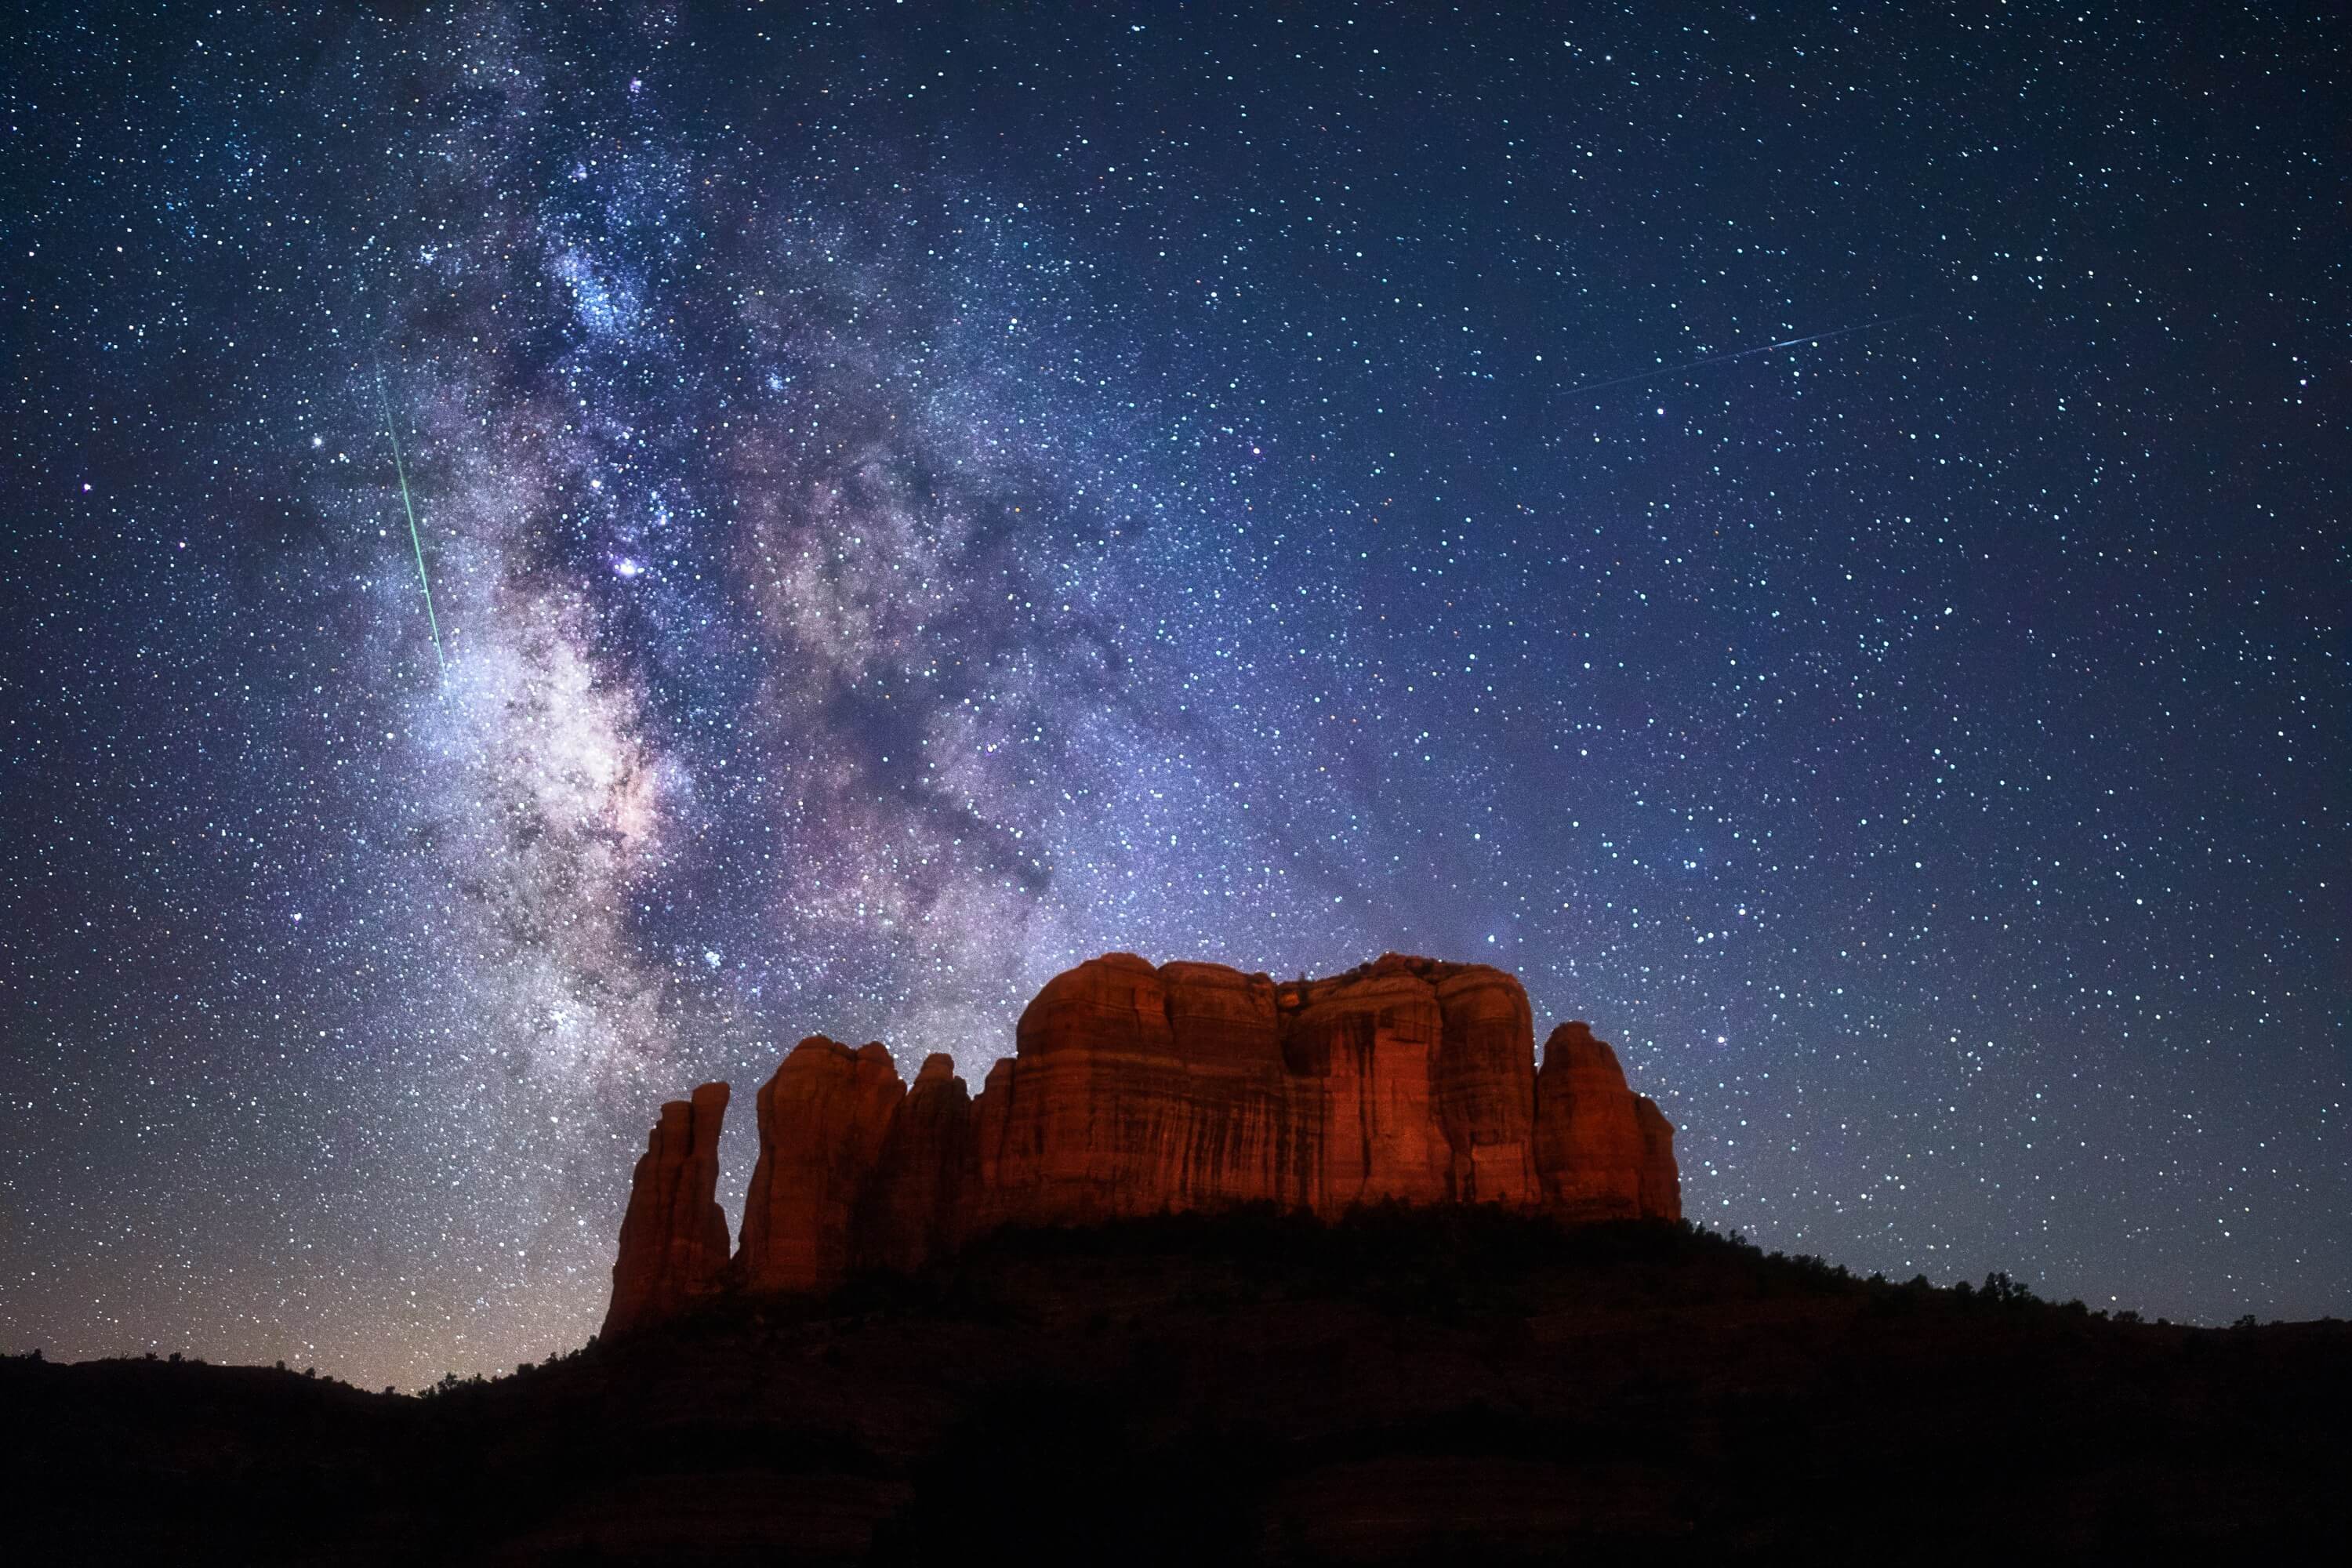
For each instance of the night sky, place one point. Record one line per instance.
(914, 497)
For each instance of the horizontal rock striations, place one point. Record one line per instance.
(1135, 1090)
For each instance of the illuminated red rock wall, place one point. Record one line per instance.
(1135, 1090)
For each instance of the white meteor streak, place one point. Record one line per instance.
(1666, 370)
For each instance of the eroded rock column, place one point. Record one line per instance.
(823, 1119)
(1602, 1151)
(924, 1177)
(674, 1236)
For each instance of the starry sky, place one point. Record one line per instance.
(1815, 535)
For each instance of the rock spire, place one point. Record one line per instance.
(674, 1236)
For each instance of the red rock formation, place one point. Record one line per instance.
(1364, 1046)
(1135, 1090)
(1484, 1081)
(1416, 1080)
(1601, 1151)
(912, 1207)
(674, 1236)
(823, 1119)
(1247, 1137)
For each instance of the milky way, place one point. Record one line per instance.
(912, 501)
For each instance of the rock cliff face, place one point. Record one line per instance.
(823, 1118)
(1135, 1090)
(1602, 1151)
(674, 1236)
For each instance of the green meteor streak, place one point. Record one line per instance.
(413, 538)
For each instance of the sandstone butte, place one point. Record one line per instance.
(1135, 1090)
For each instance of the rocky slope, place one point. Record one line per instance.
(1137, 1089)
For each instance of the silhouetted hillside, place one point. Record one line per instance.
(1415, 1385)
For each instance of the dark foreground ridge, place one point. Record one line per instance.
(1402, 1384)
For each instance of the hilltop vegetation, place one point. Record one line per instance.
(1399, 1384)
